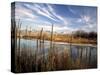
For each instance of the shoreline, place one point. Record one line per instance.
(72, 43)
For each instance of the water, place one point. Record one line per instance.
(86, 53)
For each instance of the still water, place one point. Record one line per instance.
(87, 53)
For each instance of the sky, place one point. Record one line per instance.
(65, 18)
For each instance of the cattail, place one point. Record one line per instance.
(89, 56)
(19, 36)
(40, 37)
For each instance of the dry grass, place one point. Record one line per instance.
(28, 59)
(53, 61)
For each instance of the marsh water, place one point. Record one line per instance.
(87, 53)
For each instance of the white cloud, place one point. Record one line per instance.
(22, 13)
(43, 11)
(89, 23)
(79, 20)
(56, 28)
(49, 13)
(71, 10)
(65, 21)
(86, 18)
(35, 10)
(89, 27)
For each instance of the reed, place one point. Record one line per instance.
(39, 60)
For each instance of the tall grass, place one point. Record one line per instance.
(29, 59)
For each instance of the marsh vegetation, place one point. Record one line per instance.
(37, 51)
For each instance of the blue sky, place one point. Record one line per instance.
(65, 18)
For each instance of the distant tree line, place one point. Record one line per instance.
(88, 35)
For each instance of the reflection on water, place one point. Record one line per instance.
(87, 54)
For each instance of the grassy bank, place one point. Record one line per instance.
(65, 39)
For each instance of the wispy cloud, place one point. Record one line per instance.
(56, 28)
(57, 16)
(85, 18)
(89, 27)
(23, 13)
(72, 11)
(46, 14)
